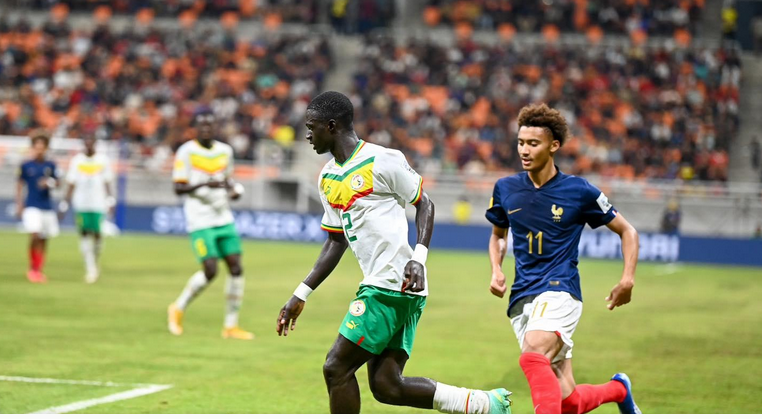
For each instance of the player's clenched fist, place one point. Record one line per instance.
(414, 277)
(497, 285)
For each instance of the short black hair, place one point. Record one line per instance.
(333, 105)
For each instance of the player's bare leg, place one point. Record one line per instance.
(389, 386)
(196, 284)
(343, 360)
(234, 287)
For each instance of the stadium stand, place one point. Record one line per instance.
(302, 11)
(636, 112)
(660, 18)
(144, 84)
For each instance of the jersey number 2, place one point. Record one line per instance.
(347, 225)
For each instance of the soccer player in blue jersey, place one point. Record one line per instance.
(546, 211)
(36, 211)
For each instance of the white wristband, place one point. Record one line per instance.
(63, 206)
(420, 254)
(302, 291)
(110, 201)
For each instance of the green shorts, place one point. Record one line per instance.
(215, 242)
(89, 222)
(379, 319)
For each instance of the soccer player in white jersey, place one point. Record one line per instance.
(202, 174)
(364, 190)
(89, 178)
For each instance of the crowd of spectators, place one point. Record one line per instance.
(145, 84)
(660, 17)
(301, 11)
(634, 112)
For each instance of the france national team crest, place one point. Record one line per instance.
(557, 213)
(357, 182)
(357, 308)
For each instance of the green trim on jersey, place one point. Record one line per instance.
(354, 169)
(359, 145)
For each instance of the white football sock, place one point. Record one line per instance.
(87, 247)
(98, 246)
(449, 399)
(195, 285)
(234, 296)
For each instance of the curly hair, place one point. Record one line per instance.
(40, 135)
(541, 115)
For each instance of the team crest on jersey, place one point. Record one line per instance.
(357, 308)
(557, 213)
(357, 182)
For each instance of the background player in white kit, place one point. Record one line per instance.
(89, 191)
(203, 170)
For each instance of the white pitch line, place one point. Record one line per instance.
(84, 404)
(58, 381)
(141, 390)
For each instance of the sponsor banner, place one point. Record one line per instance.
(598, 244)
(250, 224)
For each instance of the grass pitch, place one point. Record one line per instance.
(690, 340)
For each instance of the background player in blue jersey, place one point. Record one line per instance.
(546, 211)
(36, 211)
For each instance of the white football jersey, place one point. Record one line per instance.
(89, 175)
(365, 199)
(194, 164)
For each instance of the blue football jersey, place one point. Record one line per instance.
(546, 224)
(31, 172)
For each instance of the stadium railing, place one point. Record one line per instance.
(273, 184)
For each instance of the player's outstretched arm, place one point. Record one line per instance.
(333, 249)
(622, 292)
(415, 279)
(497, 249)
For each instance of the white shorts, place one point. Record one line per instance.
(42, 222)
(551, 311)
